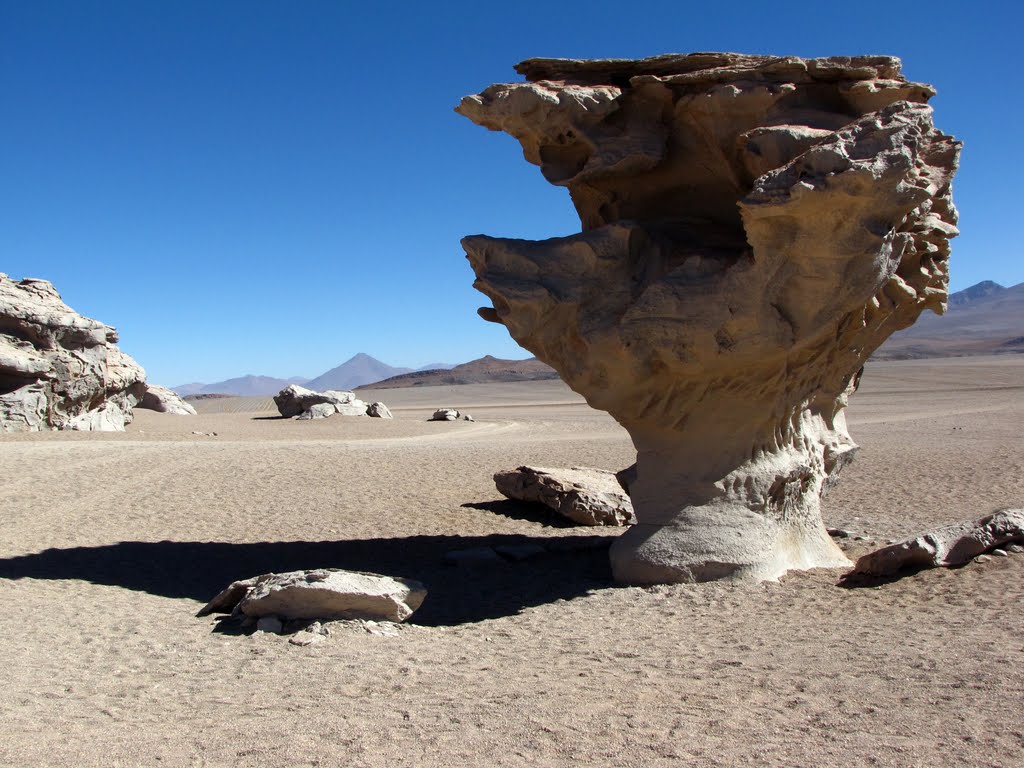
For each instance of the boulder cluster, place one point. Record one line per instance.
(302, 404)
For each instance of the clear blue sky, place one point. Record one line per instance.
(271, 187)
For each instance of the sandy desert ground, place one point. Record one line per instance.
(111, 543)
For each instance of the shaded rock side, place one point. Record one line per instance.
(60, 369)
(753, 228)
(584, 495)
(944, 547)
(326, 593)
(165, 400)
(379, 411)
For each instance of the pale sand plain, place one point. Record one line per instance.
(111, 543)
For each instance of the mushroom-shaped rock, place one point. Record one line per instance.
(59, 369)
(753, 228)
(325, 593)
(944, 547)
(445, 414)
(584, 495)
(165, 400)
(294, 401)
(378, 411)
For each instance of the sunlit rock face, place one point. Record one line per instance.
(753, 229)
(60, 369)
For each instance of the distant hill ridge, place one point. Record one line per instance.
(985, 319)
(484, 370)
(243, 386)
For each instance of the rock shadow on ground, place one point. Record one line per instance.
(457, 594)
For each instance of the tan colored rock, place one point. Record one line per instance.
(584, 495)
(325, 593)
(59, 369)
(948, 546)
(165, 400)
(753, 228)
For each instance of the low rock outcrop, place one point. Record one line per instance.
(325, 593)
(165, 400)
(944, 547)
(754, 227)
(445, 414)
(584, 495)
(60, 369)
(298, 402)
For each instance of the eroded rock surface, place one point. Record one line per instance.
(944, 547)
(298, 402)
(60, 369)
(325, 593)
(753, 228)
(584, 495)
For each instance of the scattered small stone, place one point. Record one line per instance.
(1000, 553)
(306, 638)
(983, 559)
(1016, 549)
(204, 434)
(838, 533)
(269, 624)
(467, 417)
(472, 556)
(519, 552)
(384, 630)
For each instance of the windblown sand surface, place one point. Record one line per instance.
(112, 542)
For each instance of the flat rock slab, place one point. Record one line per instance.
(325, 593)
(944, 547)
(582, 494)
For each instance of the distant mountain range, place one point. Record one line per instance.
(360, 369)
(984, 319)
(483, 371)
(244, 386)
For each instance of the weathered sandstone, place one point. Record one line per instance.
(59, 369)
(753, 228)
(325, 593)
(944, 547)
(584, 495)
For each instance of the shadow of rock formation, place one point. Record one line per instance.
(197, 570)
